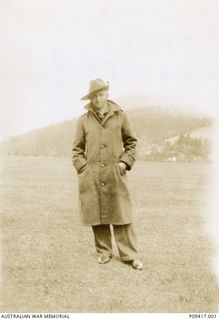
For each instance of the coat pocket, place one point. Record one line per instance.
(82, 181)
(82, 170)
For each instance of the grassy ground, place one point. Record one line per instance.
(48, 257)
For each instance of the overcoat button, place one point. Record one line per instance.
(102, 184)
(102, 146)
(102, 165)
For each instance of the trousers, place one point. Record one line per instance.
(125, 238)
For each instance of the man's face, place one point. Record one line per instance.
(99, 99)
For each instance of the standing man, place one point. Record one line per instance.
(104, 149)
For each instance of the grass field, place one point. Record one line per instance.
(48, 257)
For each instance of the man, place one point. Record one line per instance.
(104, 149)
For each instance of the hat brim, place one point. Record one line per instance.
(89, 96)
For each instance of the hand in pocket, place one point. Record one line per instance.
(122, 168)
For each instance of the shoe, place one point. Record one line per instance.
(102, 259)
(137, 264)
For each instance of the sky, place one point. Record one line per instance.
(51, 49)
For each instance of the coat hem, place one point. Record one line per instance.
(101, 223)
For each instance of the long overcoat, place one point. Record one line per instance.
(97, 149)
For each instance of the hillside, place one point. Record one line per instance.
(188, 147)
(153, 126)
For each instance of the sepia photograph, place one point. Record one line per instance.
(109, 157)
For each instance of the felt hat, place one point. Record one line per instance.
(95, 85)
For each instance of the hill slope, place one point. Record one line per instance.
(153, 125)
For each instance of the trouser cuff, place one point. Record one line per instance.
(129, 258)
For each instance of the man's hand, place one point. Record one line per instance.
(122, 168)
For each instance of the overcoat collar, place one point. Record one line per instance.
(113, 107)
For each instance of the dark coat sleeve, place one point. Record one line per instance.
(78, 149)
(129, 143)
